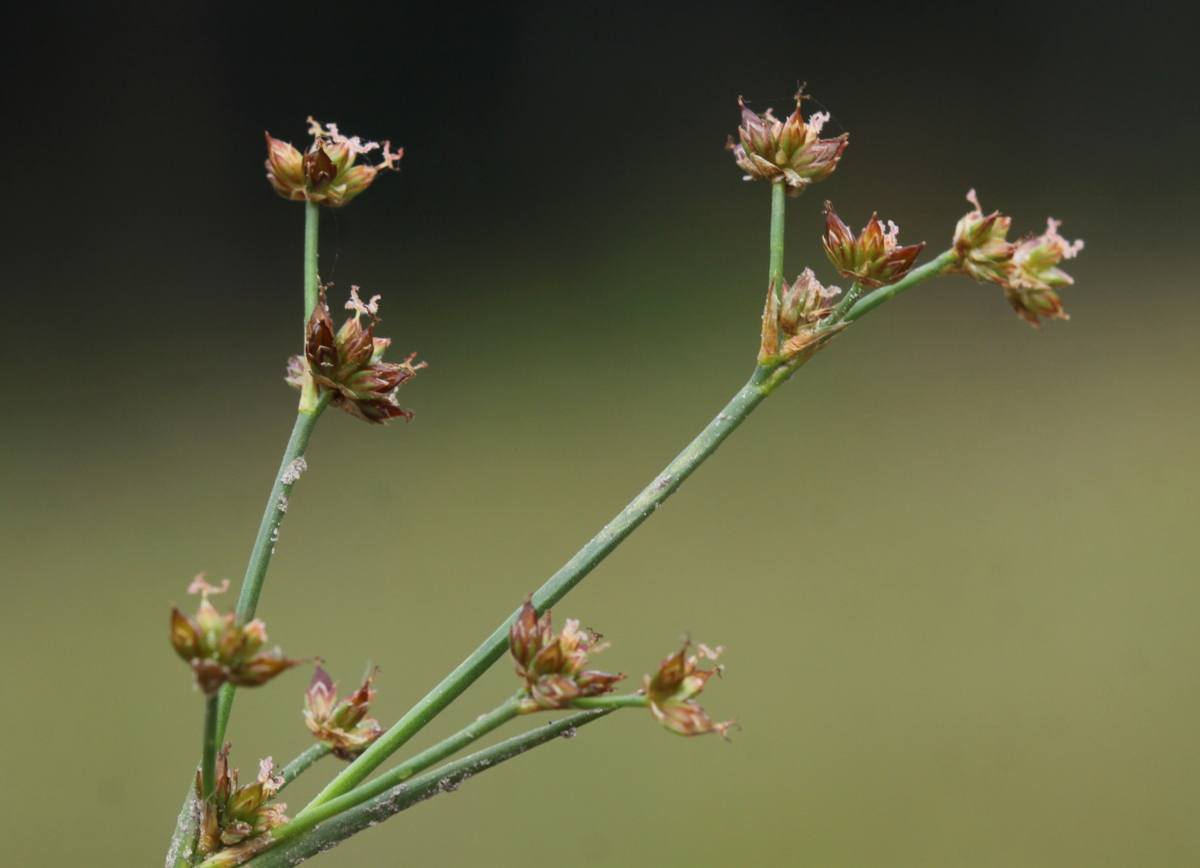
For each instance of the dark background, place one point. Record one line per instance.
(954, 561)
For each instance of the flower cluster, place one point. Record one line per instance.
(673, 689)
(344, 726)
(327, 172)
(790, 152)
(234, 814)
(1028, 270)
(552, 666)
(219, 649)
(348, 362)
(872, 259)
(799, 318)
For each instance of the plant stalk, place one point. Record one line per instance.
(633, 700)
(934, 268)
(391, 801)
(302, 763)
(570, 575)
(290, 468)
(312, 280)
(208, 756)
(778, 203)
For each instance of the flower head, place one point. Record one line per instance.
(219, 649)
(327, 172)
(673, 688)
(795, 321)
(232, 815)
(552, 665)
(790, 151)
(981, 244)
(873, 258)
(344, 725)
(348, 362)
(1030, 289)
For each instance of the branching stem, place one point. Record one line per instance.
(934, 268)
(358, 817)
(571, 574)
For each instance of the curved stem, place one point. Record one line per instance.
(208, 756)
(354, 819)
(301, 764)
(935, 268)
(290, 468)
(778, 201)
(571, 574)
(312, 815)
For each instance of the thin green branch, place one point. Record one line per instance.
(208, 755)
(633, 700)
(571, 574)
(935, 268)
(778, 203)
(312, 281)
(312, 815)
(391, 801)
(290, 468)
(302, 763)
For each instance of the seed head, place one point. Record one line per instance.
(1030, 289)
(348, 362)
(219, 649)
(344, 725)
(796, 320)
(790, 151)
(673, 688)
(234, 815)
(326, 172)
(981, 244)
(872, 259)
(552, 665)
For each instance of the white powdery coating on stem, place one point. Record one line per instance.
(293, 471)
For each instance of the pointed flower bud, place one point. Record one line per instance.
(790, 151)
(233, 815)
(344, 726)
(552, 665)
(796, 321)
(327, 172)
(219, 649)
(981, 244)
(348, 362)
(1030, 289)
(673, 689)
(872, 259)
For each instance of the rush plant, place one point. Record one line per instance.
(224, 824)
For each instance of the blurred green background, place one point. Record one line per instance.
(954, 561)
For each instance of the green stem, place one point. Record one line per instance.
(935, 268)
(301, 764)
(778, 201)
(634, 700)
(208, 756)
(312, 220)
(571, 574)
(312, 815)
(354, 819)
(290, 468)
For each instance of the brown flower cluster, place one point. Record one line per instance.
(1027, 270)
(673, 689)
(873, 259)
(327, 173)
(344, 725)
(219, 649)
(790, 152)
(552, 665)
(795, 321)
(233, 815)
(348, 362)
